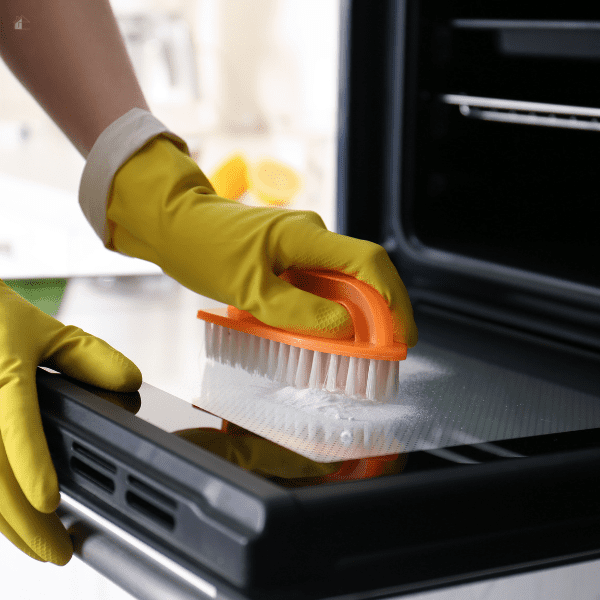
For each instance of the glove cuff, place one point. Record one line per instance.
(113, 148)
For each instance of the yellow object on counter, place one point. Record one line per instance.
(230, 180)
(274, 183)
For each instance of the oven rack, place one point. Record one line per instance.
(525, 113)
(526, 24)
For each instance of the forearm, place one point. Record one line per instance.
(73, 61)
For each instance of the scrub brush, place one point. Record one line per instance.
(366, 366)
(328, 400)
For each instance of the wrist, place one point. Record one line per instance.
(114, 147)
(150, 189)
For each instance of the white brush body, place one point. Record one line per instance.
(370, 379)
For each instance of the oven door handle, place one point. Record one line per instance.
(137, 568)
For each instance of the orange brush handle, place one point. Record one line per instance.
(371, 317)
(370, 313)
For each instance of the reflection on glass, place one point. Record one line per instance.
(285, 467)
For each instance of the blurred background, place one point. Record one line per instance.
(254, 79)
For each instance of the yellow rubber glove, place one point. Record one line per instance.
(29, 492)
(163, 209)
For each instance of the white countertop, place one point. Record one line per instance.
(44, 234)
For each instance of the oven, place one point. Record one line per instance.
(467, 138)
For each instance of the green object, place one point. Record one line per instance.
(46, 294)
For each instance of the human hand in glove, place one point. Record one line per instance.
(160, 206)
(163, 209)
(29, 492)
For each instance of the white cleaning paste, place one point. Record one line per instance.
(321, 425)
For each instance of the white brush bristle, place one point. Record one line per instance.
(301, 368)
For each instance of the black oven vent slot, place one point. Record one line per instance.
(151, 503)
(91, 474)
(91, 456)
(150, 510)
(92, 467)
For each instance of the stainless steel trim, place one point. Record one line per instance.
(526, 113)
(128, 562)
(524, 24)
(523, 119)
